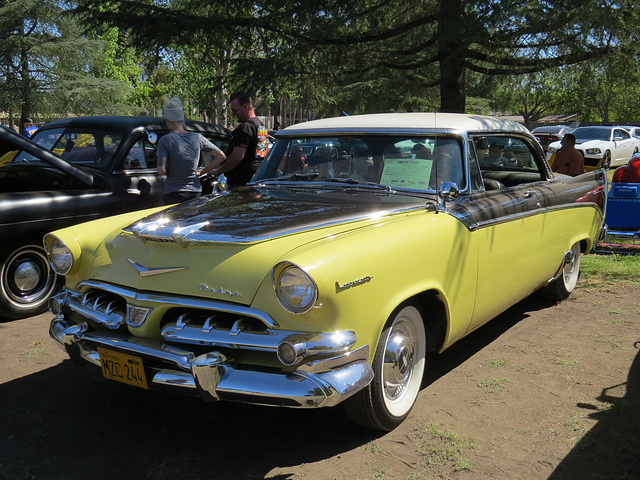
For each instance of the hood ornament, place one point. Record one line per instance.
(150, 272)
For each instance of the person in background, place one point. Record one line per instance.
(28, 128)
(276, 126)
(249, 144)
(494, 156)
(568, 159)
(179, 156)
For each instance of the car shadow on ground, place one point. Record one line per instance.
(67, 422)
(441, 364)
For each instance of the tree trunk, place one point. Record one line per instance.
(25, 80)
(451, 57)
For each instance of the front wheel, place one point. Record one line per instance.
(398, 368)
(606, 160)
(26, 282)
(561, 287)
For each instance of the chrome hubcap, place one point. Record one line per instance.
(399, 357)
(569, 267)
(27, 276)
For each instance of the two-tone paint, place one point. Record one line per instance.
(460, 257)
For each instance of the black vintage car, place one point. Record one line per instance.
(72, 171)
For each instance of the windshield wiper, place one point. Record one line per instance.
(291, 176)
(355, 181)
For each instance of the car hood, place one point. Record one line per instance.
(588, 143)
(225, 246)
(13, 140)
(250, 215)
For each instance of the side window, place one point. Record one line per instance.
(141, 156)
(508, 160)
(87, 147)
(621, 133)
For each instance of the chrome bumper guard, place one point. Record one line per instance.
(320, 383)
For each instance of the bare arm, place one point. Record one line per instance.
(232, 161)
(218, 159)
(162, 165)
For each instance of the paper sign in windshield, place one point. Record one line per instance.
(407, 173)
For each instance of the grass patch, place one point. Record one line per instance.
(494, 385)
(443, 447)
(494, 363)
(599, 269)
(35, 348)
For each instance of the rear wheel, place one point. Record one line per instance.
(398, 368)
(562, 286)
(26, 282)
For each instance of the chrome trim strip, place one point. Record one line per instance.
(464, 218)
(179, 301)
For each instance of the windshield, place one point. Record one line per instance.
(80, 146)
(412, 163)
(592, 133)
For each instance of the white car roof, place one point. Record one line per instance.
(407, 122)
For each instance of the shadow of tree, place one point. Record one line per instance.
(611, 449)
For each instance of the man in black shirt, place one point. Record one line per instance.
(247, 149)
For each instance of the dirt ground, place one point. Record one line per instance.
(541, 392)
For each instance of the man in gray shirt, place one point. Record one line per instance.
(179, 156)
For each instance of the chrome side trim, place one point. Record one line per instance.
(472, 226)
(178, 301)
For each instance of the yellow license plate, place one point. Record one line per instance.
(122, 367)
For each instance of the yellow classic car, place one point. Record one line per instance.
(362, 244)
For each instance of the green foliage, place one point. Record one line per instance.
(322, 58)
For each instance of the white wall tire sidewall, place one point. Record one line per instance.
(407, 319)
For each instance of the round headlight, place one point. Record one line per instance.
(295, 290)
(60, 257)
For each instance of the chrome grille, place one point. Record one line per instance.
(102, 307)
(222, 329)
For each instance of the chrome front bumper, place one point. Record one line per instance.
(320, 383)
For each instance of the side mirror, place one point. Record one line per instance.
(448, 193)
(152, 137)
(617, 139)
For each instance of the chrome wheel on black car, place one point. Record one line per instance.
(26, 282)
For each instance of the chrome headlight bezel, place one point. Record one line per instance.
(60, 255)
(296, 291)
